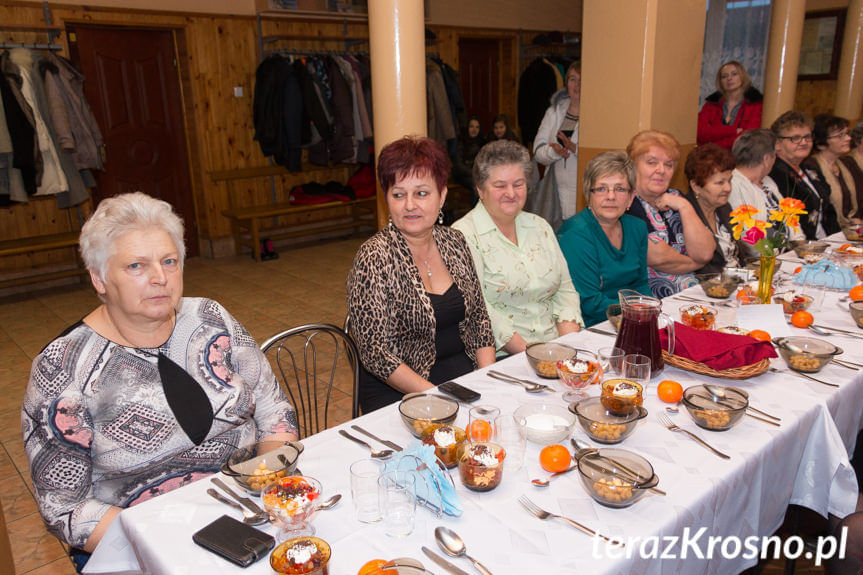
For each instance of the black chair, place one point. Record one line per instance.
(316, 364)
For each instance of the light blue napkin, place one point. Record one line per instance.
(431, 478)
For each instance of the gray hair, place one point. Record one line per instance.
(607, 164)
(119, 215)
(499, 153)
(751, 146)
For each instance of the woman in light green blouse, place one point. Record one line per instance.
(524, 276)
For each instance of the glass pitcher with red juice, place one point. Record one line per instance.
(639, 327)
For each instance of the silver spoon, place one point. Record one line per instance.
(528, 386)
(330, 502)
(837, 332)
(584, 449)
(451, 544)
(719, 393)
(546, 482)
(249, 518)
(376, 453)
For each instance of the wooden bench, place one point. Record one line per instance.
(248, 229)
(21, 246)
(250, 223)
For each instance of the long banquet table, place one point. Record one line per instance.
(805, 462)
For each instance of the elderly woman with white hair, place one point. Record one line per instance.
(149, 391)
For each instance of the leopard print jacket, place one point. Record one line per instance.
(392, 319)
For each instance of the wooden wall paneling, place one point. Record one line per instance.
(815, 96)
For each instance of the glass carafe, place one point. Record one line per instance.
(639, 327)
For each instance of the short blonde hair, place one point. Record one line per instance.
(644, 140)
(119, 215)
(607, 164)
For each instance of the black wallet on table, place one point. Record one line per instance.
(235, 541)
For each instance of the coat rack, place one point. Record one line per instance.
(49, 28)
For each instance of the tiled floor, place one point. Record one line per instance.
(304, 285)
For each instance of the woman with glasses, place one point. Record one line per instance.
(524, 277)
(793, 131)
(708, 169)
(605, 248)
(832, 140)
(734, 108)
(755, 152)
(678, 242)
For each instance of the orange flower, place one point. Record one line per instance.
(742, 220)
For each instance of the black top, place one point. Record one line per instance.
(817, 202)
(723, 214)
(451, 360)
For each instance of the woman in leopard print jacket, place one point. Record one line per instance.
(416, 306)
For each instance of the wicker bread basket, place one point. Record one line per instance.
(743, 372)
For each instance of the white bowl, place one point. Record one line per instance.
(545, 423)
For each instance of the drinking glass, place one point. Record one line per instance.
(509, 434)
(398, 501)
(611, 359)
(637, 367)
(364, 489)
(480, 425)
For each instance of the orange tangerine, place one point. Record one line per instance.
(554, 458)
(760, 335)
(856, 293)
(802, 319)
(479, 430)
(669, 391)
(373, 567)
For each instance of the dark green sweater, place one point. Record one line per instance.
(598, 269)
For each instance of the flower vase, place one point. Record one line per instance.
(765, 278)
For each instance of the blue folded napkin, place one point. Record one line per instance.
(433, 483)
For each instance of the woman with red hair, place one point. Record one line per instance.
(414, 300)
(708, 169)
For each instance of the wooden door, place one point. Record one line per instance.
(478, 67)
(134, 90)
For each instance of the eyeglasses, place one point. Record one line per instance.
(842, 134)
(798, 138)
(602, 190)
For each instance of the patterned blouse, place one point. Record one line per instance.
(98, 429)
(527, 287)
(392, 318)
(664, 227)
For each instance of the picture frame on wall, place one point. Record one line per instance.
(821, 45)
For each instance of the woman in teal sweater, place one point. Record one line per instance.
(605, 248)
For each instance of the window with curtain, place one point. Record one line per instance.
(736, 30)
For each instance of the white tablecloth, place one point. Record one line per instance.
(805, 461)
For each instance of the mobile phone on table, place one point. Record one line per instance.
(459, 391)
(235, 541)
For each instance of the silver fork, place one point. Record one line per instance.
(541, 513)
(664, 420)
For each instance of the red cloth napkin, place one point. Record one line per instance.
(716, 349)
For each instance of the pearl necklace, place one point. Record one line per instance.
(428, 269)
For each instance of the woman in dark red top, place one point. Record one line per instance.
(734, 108)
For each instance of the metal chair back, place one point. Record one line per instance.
(318, 367)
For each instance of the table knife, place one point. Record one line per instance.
(441, 562)
(248, 503)
(600, 331)
(390, 444)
